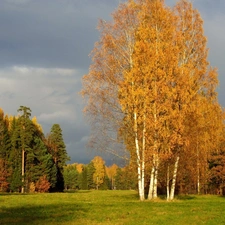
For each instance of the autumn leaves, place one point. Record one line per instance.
(149, 79)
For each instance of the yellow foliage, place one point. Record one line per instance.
(99, 174)
(150, 81)
(111, 171)
(79, 167)
(1, 113)
(35, 122)
(32, 187)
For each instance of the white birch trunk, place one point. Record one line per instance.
(174, 178)
(154, 173)
(155, 195)
(143, 154)
(150, 192)
(198, 182)
(140, 184)
(139, 164)
(168, 183)
(154, 179)
(198, 170)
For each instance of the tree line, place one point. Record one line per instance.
(151, 89)
(97, 176)
(29, 160)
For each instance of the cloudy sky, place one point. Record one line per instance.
(44, 47)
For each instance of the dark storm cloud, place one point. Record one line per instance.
(209, 7)
(49, 33)
(213, 15)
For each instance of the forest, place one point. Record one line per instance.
(29, 160)
(32, 162)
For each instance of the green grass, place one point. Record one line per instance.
(108, 207)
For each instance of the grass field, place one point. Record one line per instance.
(108, 207)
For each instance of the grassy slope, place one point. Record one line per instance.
(108, 207)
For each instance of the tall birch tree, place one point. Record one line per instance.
(148, 73)
(196, 81)
(146, 91)
(111, 56)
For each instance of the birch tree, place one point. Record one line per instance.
(149, 70)
(145, 93)
(111, 55)
(196, 81)
(99, 173)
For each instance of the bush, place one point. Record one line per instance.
(42, 185)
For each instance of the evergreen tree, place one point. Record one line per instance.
(106, 183)
(26, 132)
(125, 179)
(57, 149)
(15, 158)
(90, 173)
(29, 157)
(5, 145)
(216, 163)
(42, 163)
(83, 184)
(119, 179)
(43, 166)
(70, 175)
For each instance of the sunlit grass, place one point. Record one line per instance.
(108, 207)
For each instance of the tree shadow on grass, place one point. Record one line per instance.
(132, 196)
(42, 214)
(13, 193)
(178, 197)
(77, 191)
(185, 197)
(220, 196)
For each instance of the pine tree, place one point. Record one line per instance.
(5, 146)
(70, 175)
(26, 131)
(57, 149)
(119, 184)
(42, 163)
(15, 157)
(5, 143)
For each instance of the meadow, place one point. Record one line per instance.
(108, 208)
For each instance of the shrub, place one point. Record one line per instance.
(42, 185)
